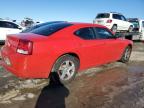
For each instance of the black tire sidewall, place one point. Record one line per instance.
(114, 26)
(60, 61)
(130, 29)
(123, 58)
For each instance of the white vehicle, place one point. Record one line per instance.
(138, 27)
(114, 21)
(8, 27)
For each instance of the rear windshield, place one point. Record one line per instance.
(50, 29)
(103, 15)
(39, 25)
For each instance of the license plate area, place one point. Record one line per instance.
(7, 61)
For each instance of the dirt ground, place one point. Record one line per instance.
(114, 85)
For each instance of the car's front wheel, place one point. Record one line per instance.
(130, 29)
(66, 68)
(126, 55)
(114, 28)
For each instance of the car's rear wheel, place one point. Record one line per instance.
(126, 55)
(66, 68)
(114, 28)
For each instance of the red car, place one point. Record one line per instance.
(63, 48)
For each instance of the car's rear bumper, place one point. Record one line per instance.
(12, 70)
(25, 66)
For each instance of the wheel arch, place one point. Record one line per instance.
(130, 45)
(114, 25)
(64, 54)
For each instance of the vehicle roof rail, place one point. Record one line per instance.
(115, 12)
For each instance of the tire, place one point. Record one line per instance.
(130, 29)
(126, 55)
(66, 68)
(114, 28)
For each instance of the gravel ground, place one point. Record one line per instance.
(114, 85)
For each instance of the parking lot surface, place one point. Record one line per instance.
(114, 85)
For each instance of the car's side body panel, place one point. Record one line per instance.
(46, 51)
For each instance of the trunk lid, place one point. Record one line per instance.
(12, 40)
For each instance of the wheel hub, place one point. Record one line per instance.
(66, 70)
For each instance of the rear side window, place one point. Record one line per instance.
(85, 33)
(5, 24)
(104, 15)
(103, 33)
(2, 24)
(50, 29)
(116, 16)
(11, 25)
(123, 18)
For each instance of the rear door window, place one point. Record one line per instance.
(103, 15)
(123, 18)
(103, 33)
(116, 16)
(11, 25)
(85, 33)
(5, 24)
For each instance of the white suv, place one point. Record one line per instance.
(114, 21)
(8, 27)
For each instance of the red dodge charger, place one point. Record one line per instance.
(63, 48)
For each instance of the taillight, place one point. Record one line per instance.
(109, 21)
(25, 47)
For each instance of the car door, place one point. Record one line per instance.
(120, 21)
(112, 49)
(125, 23)
(90, 49)
(117, 21)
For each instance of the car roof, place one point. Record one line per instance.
(110, 13)
(116, 13)
(7, 21)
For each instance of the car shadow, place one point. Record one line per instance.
(53, 95)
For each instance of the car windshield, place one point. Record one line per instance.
(39, 25)
(135, 23)
(103, 15)
(49, 29)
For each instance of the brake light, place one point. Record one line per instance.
(25, 47)
(109, 21)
